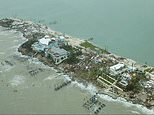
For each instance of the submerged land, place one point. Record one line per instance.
(114, 75)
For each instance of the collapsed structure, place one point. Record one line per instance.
(50, 46)
(114, 70)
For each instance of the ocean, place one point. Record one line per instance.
(22, 93)
(124, 27)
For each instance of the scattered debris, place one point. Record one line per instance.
(9, 63)
(58, 87)
(94, 105)
(19, 58)
(34, 72)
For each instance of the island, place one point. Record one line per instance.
(113, 75)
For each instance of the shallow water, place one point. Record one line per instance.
(22, 93)
(124, 27)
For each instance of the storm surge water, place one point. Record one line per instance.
(122, 26)
(27, 94)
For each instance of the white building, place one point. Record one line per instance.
(57, 54)
(131, 68)
(51, 48)
(41, 44)
(125, 79)
(44, 41)
(115, 69)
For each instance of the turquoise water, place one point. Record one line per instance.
(124, 27)
(21, 93)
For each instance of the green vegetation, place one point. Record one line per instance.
(27, 45)
(134, 85)
(72, 50)
(87, 44)
(38, 35)
(83, 74)
(72, 59)
(94, 72)
(73, 54)
(104, 51)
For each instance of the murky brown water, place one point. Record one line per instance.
(22, 93)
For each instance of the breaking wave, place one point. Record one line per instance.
(51, 77)
(37, 62)
(135, 112)
(17, 80)
(5, 68)
(92, 90)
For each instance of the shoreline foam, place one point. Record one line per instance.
(92, 90)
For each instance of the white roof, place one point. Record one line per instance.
(152, 76)
(126, 75)
(53, 39)
(59, 51)
(44, 41)
(125, 83)
(61, 37)
(46, 36)
(117, 66)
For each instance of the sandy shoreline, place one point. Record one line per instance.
(73, 41)
(93, 89)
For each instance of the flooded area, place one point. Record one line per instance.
(24, 92)
(124, 27)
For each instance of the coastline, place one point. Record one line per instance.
(70, 39)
